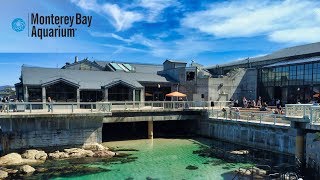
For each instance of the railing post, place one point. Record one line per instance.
(311, 115)
(260, 118)
(91, 107)
(125, 105)
(274, 120)
(304, 111)
(8, 108)
(72, 107)
(30, 108)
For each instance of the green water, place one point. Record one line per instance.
(162, 159)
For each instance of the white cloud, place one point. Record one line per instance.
(254, 18)
(123, 18)
(298, 35)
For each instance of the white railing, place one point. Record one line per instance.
(298, 110)
(95, 107)
(131, 105)
(55, 107)
(251, 117)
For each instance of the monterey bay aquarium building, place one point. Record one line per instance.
(291, 75)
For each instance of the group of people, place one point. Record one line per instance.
(4, 106)
(263, 106)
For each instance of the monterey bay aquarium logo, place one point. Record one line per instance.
(18, 24)
(52, 26)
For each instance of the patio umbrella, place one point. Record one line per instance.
(176, 94)
(316, 95)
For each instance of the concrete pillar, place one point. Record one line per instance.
(142, 94)
(106, 97)
(78, 97)
(133, 95)
(300, 145)
(44, 97)
(26, 94)
(150, 129)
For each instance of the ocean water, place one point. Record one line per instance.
(160, 159)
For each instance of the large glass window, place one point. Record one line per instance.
(119, 92)
(35, 94)
(308, 74)
(62, 92)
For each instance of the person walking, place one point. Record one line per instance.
(49, 104)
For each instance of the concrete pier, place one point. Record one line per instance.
(150, 129)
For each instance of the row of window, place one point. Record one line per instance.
(291, 75)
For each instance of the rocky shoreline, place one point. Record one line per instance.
(15, 164)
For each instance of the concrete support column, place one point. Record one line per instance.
(133, 95)
(142, 94)
(106, 97)
(78, 97)
(44, 97)
(300, 145)
(26, 94)
(150, 129)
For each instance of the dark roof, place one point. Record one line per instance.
(174, 61)
(299, 61)
(86, 79)
(283, 53)
(138, 67)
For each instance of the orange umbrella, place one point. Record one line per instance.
(176, 94)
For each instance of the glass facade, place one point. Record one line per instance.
(290, 83)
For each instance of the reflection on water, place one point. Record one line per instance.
(151, 159)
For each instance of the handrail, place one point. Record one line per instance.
(94, 107)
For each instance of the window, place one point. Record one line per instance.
(190, 76)
(119, 93)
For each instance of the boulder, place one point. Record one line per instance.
(35, 155)
(11, 159)
(3, 174)
(104, 153)
(240, 152)
(94, 147)
(58, 155)
(78, 153)
(26, 169)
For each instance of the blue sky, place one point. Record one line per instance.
(209, 32)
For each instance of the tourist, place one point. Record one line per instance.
(278, 104)
(245, 102)
(259, 103)
(224, 112)
(264, 107)
(49, 104)
(237, 113)
(253, 103)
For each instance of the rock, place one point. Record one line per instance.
(9, 171)
(26, 169)
(3, 174)
(58, 155)
(94, 147)
(240, 152)
(79, 153)
(190, 167)
(11, 159)
(35, 155)
(41, 170)
(104, 153)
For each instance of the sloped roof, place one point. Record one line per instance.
(299, 61)
(85, 79)
(174, 61)
(283, 53)
(140, 68)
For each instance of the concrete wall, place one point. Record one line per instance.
(268, 137)
(238, 84)
(21, 133)
(312, 152)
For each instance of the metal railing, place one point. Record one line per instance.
(252, 117)
(95, 107)
(308, 112)
(55, 107)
